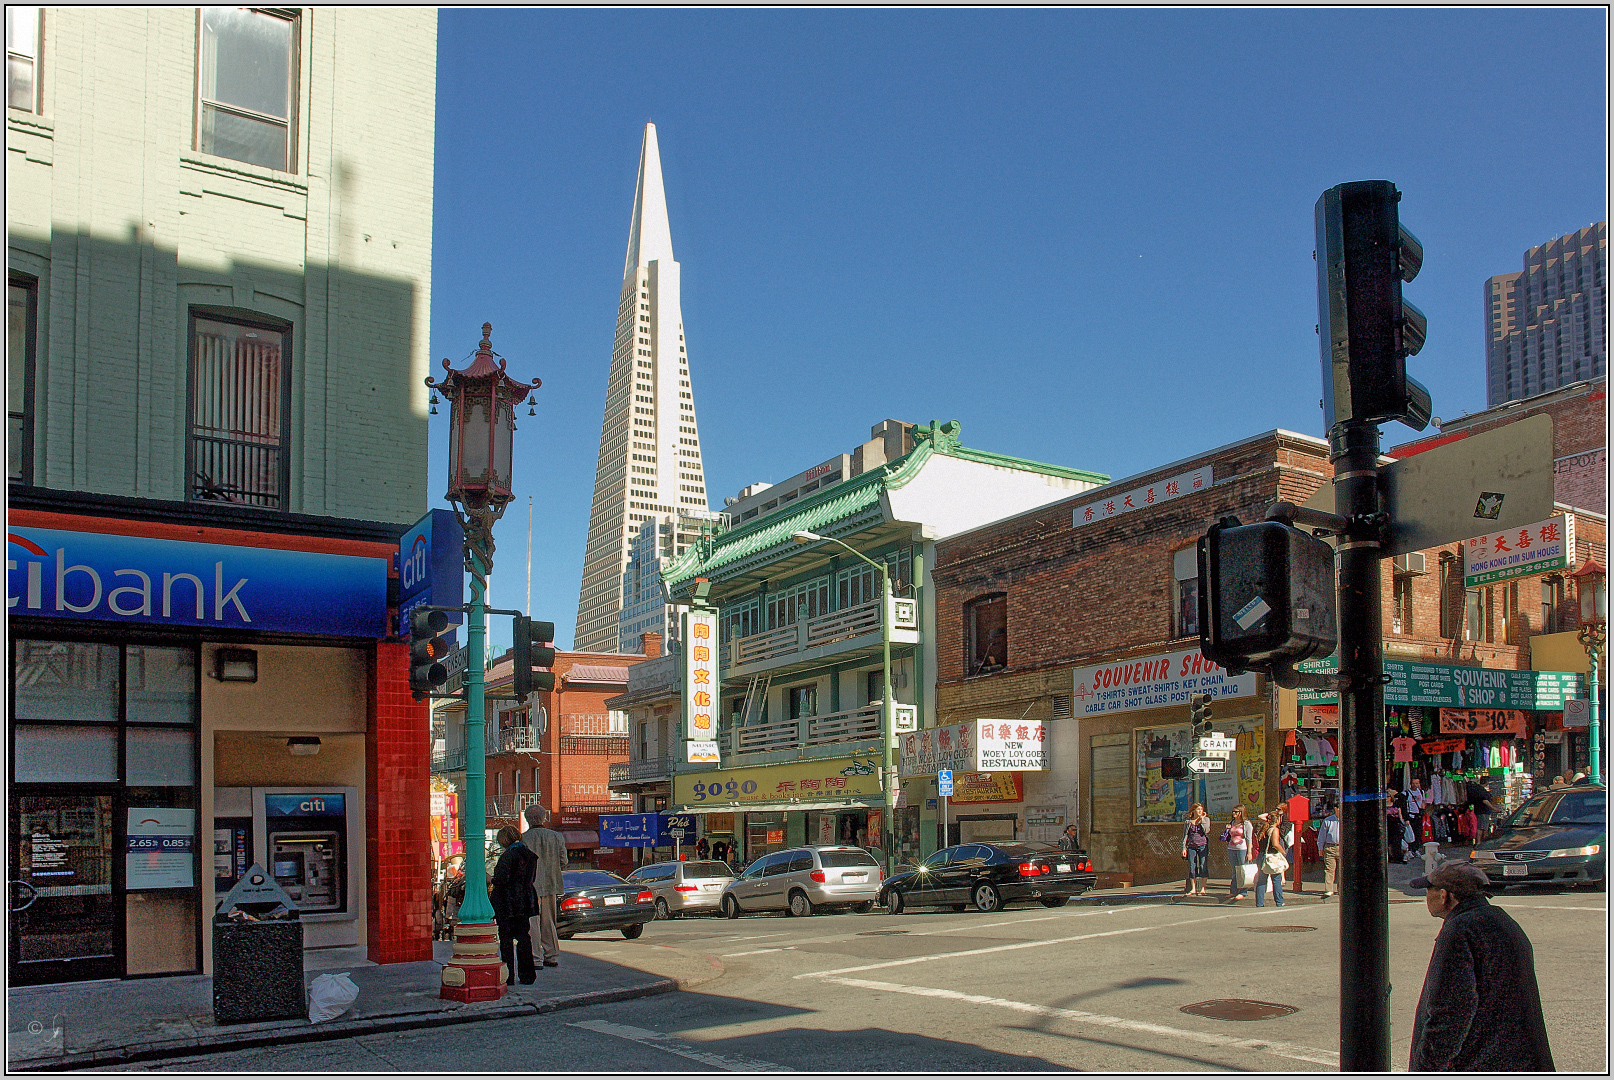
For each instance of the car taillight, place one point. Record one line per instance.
(686, 888)
(1029, 869)
(644, 898)
(576, 902)
(818, 876)
(1084, 865)
(881, 871)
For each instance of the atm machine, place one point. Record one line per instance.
(305, 836)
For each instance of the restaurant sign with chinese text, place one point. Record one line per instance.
(924, 753)
(1140, 498)
(700, 683)
(1538, 548)
(1011, 745)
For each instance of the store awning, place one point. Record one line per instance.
(872, 803)
(597, 673)
(581, 838)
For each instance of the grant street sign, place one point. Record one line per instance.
(1217, 742)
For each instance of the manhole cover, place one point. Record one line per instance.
(1279, 929)
(880, 933)
(1238, 1009)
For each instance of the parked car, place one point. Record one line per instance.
(599, 900)
(1559, 836)
(990, 875)
(682, 888)
(802, 880)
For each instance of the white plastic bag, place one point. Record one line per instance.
(330, 996)
(1246, 875)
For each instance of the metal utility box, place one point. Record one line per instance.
(258, 953)
(1266, 596)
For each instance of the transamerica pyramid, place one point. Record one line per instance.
(650, 453)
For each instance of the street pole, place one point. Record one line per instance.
(888, 725)
(1594, 752)
(1364, 974)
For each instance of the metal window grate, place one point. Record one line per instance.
(237, 414)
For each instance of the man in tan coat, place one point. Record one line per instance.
(550, 847)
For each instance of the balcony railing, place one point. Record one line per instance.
(849, 726)
(525, 737)
(448, 760)
(510, 806)
(821, 630)
(622, 772)
(601, 724)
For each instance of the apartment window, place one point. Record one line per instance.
(803, 701)
(986, 634)
(798, 602)
(1401, 620)
(22, 58)
(1451, 597)
(1552, 605)
(1477, 615)
(22, 302)
(1185, 592)
(239, 430)
(246, 86)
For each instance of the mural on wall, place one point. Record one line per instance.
(1160, 799)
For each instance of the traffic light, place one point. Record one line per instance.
(1367, 330)
(1172, 768)
(427, 651)
(1199, 714)
(1266, 597)
(530, 646)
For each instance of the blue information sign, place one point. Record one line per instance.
(944, 782)
(681, 827)
(634, 830)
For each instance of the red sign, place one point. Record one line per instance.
(1481, 722)
(1443, 746)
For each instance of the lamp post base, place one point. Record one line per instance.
(475, 973)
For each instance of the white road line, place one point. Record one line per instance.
(1041, 943)
(753, 937)
(1551, 907)
(678, 1046)
(1293, 1051)
(840, 938)
(754, 952)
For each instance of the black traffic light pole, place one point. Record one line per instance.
(1364, 969)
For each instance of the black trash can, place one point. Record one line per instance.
(258, 953)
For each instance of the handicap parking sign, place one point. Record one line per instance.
(944, 782)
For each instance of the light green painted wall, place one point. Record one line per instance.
(127, 227)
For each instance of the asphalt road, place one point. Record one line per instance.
(1027, 989)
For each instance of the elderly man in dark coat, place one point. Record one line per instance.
(1480, 1010)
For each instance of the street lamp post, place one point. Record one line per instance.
(1592, 585)
(888, 709)
(481, 423)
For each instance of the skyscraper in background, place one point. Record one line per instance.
(650, 454)
(1544, 325)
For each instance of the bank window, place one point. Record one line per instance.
(239, 385)
(803, 701)
(1185, 592)
(22, 305)
(22, 58)
(986, 634)
(246, 86)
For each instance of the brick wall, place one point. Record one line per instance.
(398, 805)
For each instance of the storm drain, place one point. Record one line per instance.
(1239, 1009)
(1279, 929)
(880, 933)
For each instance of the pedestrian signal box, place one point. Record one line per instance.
(1266, 597)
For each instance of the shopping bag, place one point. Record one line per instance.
(330, 996)
(1246, 875)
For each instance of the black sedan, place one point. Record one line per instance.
(598, 900)
(1557, 837)
(990, 875)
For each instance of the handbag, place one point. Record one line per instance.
(1274, 864)
(1246, 874)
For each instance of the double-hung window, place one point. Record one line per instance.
(22, 58)
(1185, 592)
(986, 634)
(247, 86)
(239, 432)
(22, 295)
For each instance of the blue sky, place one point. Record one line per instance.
(1085, 234)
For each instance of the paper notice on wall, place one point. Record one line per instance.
(161, 849)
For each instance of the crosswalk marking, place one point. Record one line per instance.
(672, 1045)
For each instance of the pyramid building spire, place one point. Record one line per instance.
(649, 468)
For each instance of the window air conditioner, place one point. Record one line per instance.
(1411, 563)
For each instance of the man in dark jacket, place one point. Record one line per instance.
(1480, 1010)
(1068, 842)
(514, 903)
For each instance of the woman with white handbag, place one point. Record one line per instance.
(1272, 853)
(1237, 837)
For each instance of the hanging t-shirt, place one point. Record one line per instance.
(1403, 749)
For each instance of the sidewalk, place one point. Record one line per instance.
(95, 1024)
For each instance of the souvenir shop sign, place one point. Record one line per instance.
(1536, 548)
(1481, 722)
(924, 753)
(837, 778)
(1444, 746)
(1320, 717)
(1153, 682)
(1420, 683)
(985, 787)
(1011, 745)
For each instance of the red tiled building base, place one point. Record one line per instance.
(398, 809)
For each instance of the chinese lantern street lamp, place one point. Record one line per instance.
(1591, 582)
(482, 402)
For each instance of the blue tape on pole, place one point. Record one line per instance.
(1370, 797)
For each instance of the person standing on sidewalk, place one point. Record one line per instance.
(1272, 858)
(1237, 837)
(1068, 841)
(514, 905)
(1196, 848)
(1328, 838)
(1417, 799)
(550, 847)
(1480, 1010)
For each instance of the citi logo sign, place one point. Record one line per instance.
(414, 569)
(81, 589)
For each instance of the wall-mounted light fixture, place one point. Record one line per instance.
(303, 745)
(235, 665)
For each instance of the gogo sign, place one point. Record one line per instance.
(54, 573)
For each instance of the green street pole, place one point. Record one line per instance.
(1594, 753)
(476, 908)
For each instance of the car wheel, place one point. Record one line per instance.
(893, 902)
(730, 908)
(864, 908)
(662, 911)
(986, 898)
(1054, 901)
(631, 932)
(800, 906)
(564, 937)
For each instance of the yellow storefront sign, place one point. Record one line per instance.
(837, 778)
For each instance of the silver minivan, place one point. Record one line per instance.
(804, 879)
(684, 887)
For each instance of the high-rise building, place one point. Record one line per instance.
(646, 606)
(1544, 325)
(650, 453)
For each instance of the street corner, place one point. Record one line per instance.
(684, 968)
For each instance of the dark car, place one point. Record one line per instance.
(598, 900)
(990, 875)
(1559, 836)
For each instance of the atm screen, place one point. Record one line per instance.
(289, 868)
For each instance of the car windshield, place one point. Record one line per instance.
(706, 870)
(589, 879)
(1582, 808)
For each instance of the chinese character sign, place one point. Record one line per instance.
(700, 677)
(1010, 745)
(1141, 498)
(1531, 549)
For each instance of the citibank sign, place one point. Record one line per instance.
(57, 573)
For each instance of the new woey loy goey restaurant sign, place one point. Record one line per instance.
(1154, 682)
(61, 574)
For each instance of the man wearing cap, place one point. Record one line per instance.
(1480, 1010)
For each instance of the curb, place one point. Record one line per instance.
(342, 1029)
